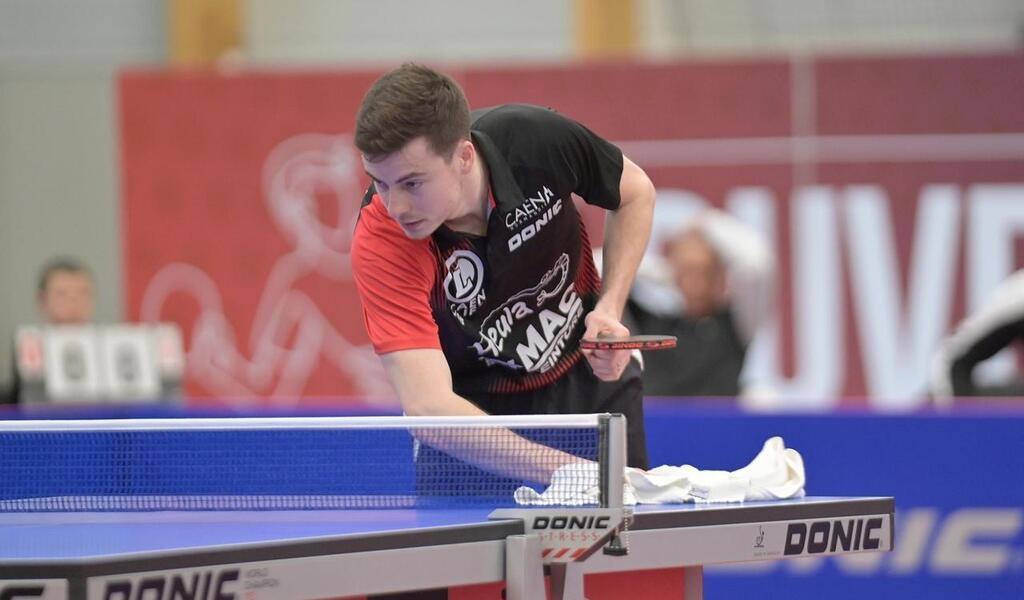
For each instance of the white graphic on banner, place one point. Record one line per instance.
(289, 334)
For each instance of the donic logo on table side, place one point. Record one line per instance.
(846, 535)
(542, 317)
(206, 585)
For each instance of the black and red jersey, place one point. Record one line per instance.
(507, 309)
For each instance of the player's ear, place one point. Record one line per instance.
(466, 155)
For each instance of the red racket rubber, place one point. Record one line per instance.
(630, 342)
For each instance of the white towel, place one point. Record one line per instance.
(574, 484)
(776, 472)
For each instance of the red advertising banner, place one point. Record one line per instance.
(892, 189)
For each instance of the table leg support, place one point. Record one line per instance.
(524, 572)
(566, 581)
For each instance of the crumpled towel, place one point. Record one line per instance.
(776, 472)
(574, 484)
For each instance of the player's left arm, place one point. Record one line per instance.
(627, 230)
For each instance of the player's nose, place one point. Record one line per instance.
(397, 204)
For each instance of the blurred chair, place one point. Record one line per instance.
(994, 327)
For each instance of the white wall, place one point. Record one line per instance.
(348, 31)
(488, 30)
(81, 32)
(687, 27)
(58, 182)
(58, 141)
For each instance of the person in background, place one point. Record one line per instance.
(713, 287)
(997, 325)
(65, 295)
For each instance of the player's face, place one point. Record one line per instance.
(420, 189)
(67, 299)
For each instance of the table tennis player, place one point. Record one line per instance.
(473, 265)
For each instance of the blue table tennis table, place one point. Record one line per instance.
(316, 554)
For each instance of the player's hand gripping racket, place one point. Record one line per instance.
(630, 342)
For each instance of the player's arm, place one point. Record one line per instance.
(627, 230)
(423, 381)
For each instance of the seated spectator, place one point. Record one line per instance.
(65, 295)
(997, 325)
(712, 287)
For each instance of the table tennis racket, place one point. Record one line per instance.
(630, 342)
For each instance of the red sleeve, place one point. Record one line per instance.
(394, 276)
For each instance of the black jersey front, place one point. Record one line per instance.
(510, 305)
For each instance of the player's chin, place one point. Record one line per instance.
(417, 230)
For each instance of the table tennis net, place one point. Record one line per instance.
(286, 464)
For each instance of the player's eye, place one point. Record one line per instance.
(380, 186)
(412, 185)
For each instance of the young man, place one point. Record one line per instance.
(65, 294)
(473, 265)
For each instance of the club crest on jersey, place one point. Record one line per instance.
(539, 319)
(463, 285)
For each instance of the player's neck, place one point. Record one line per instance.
(476, 201)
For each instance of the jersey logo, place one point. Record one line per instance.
(539, 318)
(465, 276)
(527, 219)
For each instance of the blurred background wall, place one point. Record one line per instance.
(58, 153)
(59, 186)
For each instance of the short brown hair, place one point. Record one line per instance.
(60, 264)
(409, 102)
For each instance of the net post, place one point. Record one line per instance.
(612, 448)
